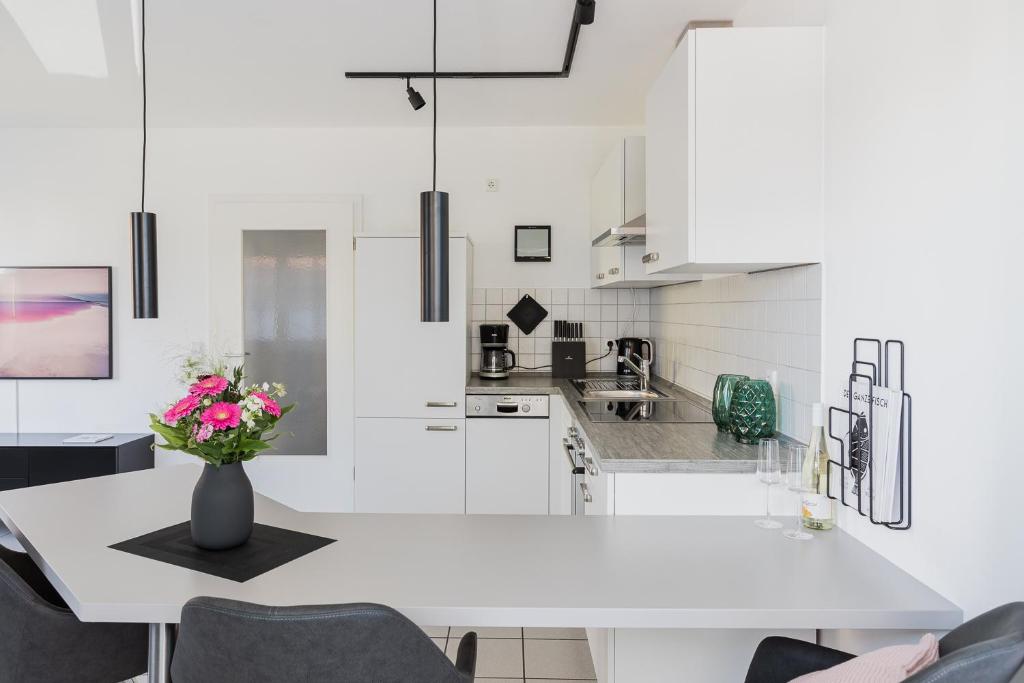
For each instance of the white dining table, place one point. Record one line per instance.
(485, 570)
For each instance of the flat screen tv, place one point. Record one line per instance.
(55, 323)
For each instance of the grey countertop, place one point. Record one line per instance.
(639, 448)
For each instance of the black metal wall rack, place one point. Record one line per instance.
(873, 362)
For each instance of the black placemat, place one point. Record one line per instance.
(268, 548)
(527, 314)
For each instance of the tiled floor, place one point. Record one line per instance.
(548, 655)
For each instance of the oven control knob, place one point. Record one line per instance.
(476, 408)
(526, 407)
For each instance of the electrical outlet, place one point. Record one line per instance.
(492, 184)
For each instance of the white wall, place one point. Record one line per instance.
(65, 195)
(918, 248)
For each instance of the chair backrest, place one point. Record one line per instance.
(986, 649)
(226, 640)
(19, 573)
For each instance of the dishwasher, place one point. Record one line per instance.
(507, 443)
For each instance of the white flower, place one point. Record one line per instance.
(266, 387)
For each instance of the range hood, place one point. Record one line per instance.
(633, 232)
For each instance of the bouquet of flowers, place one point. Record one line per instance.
(221, 420)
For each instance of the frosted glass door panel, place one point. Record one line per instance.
(284, 299)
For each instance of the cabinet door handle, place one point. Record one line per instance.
(442, 428)
(441, 404)
(651, 257)
(613, 271)
(600, 276)
(588, 462)
(585, 490)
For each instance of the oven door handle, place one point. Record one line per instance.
(569, 450)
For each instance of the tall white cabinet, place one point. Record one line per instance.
(410, 381)
(734, 126)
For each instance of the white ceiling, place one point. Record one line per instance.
(282, 62)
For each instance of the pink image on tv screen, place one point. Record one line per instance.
(55, 323)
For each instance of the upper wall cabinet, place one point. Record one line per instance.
(734, 152)
(618, 204)
(617, 195)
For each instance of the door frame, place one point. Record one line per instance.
(306, 482)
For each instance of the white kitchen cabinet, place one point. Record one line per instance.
(507, 466)
(734, 127)
(618, 198)
(617, 195)
(410, 465)
(404, 367)
(622, 267)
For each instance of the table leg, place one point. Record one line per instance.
(161, 646)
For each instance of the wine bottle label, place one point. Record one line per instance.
(816, 506)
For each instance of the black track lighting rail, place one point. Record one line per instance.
(583, 14)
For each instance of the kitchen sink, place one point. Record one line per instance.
(615, 390)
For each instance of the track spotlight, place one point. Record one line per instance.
(584, 12)
(415, 99)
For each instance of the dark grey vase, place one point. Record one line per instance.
(222, 507)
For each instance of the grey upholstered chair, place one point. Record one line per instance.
(227, 641)
(41, 640)
(986, 649)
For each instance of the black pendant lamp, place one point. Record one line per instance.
(434, 233)
(144, 290)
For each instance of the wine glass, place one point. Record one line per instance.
(795, 454)
(769, 473)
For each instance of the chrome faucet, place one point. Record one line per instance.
(643, 370)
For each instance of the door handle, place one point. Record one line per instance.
(441, 404)
(585, 490)
(442, 428)
(651, 257)
(569, 450)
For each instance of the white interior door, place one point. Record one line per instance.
(281, 299)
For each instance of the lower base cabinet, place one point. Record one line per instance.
(410, 465)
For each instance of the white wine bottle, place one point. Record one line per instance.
(817, 509)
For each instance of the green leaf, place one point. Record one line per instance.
(253, 445)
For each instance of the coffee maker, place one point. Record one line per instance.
(494, 351)
(627, 347)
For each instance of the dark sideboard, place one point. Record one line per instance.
(36, 459)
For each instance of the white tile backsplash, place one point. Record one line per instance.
(747, 324)
(606, 315)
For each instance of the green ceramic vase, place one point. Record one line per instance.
(725, 385)
(752, 411)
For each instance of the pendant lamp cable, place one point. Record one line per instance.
(142, 37)
(434, 182)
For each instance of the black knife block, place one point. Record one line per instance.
(569, 359)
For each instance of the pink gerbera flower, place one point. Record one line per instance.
(269, 404)
(181, 409)
(209, 386)
(222, 415)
